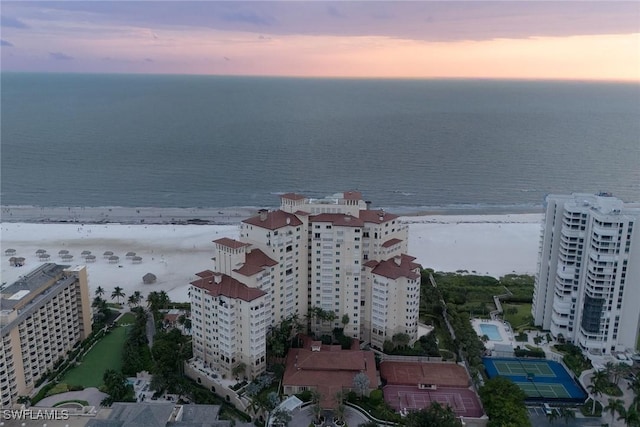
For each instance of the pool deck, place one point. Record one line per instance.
(505, 331)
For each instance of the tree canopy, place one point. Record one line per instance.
(503, 402)
(435, 415)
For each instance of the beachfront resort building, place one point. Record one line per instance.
(229, 321)
(588, 283)
(333, 254)
(42, 316)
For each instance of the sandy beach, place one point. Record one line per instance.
(487, 244)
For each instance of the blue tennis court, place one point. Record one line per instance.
(540, 379)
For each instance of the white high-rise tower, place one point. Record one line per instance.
(588, 283)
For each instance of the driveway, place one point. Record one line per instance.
(302, 417)
(90, 394)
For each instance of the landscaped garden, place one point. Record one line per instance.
(106, 354)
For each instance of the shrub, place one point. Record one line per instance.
(375, 396)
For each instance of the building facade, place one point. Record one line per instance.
(229, 323)
(588, 283)
(43, 315)
(312, 254)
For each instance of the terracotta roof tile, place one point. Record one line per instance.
(328, 371)
(352, 195)
(377, 216)
(255, 262)
(391, 242)
(292, 196)
(274, 220)
(230, 243)
(337, 219)
(393, 270)
(205, 273)
(227, 286)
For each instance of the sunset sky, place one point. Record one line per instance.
(417, 39)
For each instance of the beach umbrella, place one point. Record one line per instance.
(67, 257)
(107, 254)
(40, 252)
(136, 259)
(90, 258)
(12, 261)
(44, 257)
(63, 252)
(130, 255)
(10, 252)
(85, 253)
(149, 278)
(113, 259)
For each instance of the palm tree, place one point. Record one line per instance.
(567, 414)
(117, 294)
(552, 415)
(595, 389)
(99, 291)
(340, 408)
(630, 416)
(614, 405)
(634, 386)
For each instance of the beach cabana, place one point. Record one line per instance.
(113, 259)
(16, 261)
(40, 252)
(10, 252)
(149, 278)
(136, 259)
(67, 257)
(130, 255)
(84, 254)
(90, 258)
(44, 257)
(107, 254)
(63, 252)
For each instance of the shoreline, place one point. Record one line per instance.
(215, 216)
(487, 244)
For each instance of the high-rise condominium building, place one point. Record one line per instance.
(588, 284)
(334, 254)
(42, 316)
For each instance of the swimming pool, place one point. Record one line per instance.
(491, 331)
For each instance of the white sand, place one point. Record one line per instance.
(488, 244)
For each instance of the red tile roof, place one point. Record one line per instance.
(328, 371)
(227, 286)
(391, 269)
(205, 273)
(377, 217)
(292, 196)
(352, 195)
(337, 219)
(391, 242)
(255, 262)
(274, 220)
(230, 243)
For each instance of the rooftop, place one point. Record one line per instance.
(274, 220)
(218, 284)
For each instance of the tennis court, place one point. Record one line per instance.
(463, 401)
(540, 379)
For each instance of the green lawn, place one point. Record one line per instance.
(127, 319)
(520, 318)
(106, 354)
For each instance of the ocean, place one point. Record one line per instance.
(211, 141)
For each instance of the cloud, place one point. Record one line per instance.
(248, 17)
(148, 60)
(6, 43)
(7, 21)
(59, 56)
